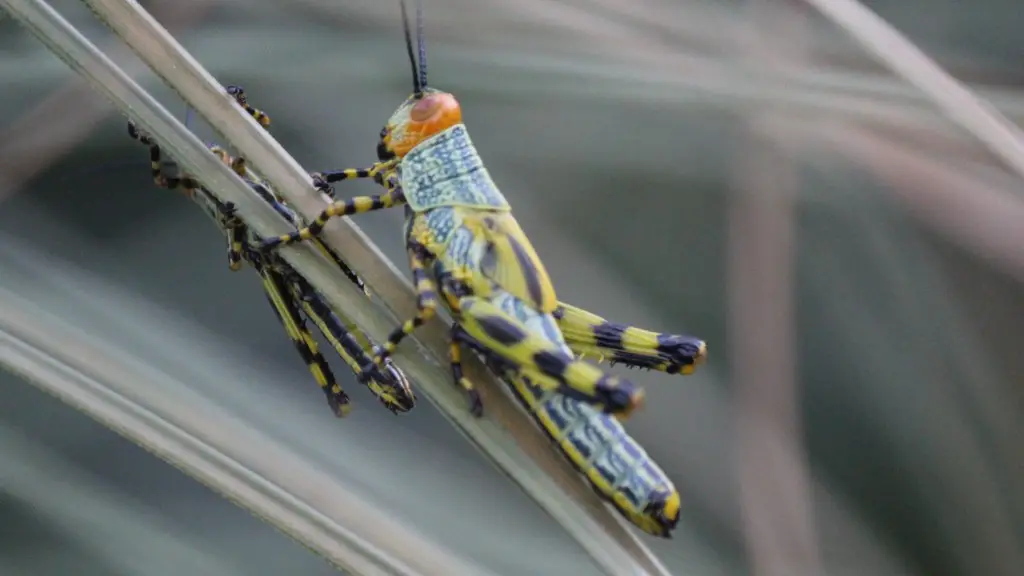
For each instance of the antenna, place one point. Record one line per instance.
(421, 44)
(416, 84)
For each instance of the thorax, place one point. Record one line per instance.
(446, 170)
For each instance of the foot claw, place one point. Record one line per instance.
(476, 404)
(341, 406)
(368, 371)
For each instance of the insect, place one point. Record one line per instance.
(290, 295)
(467, 251)
(461, 235)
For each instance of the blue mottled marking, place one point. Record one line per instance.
(550, 327)
(613, 466)
(445, 170)
(441, 222)
(460, 247)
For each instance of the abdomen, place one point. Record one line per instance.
(597, 445)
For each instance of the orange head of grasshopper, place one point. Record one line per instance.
(427, 112)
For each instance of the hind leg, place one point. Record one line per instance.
(389, 384)
(589, 334)
(546, 363)
(288, 313)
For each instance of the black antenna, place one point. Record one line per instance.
(421, 43)
(417, 86)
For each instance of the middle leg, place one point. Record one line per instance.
(458, 336)
(426, 305)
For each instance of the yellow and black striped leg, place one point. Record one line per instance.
(238, 165)
(589, 334)
(476, 404)
(288, 313)
(357, 205)
(333, 176)
(426, 307)
(389, 384)
(544, 362)
(239, 94)
(322, 180)
(236, 232)
(187, 184)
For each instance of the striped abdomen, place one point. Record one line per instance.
(596, 444)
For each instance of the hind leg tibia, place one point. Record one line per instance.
(288, 313)
(589, 334)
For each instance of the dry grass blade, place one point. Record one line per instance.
(147, 407)
(507, 436)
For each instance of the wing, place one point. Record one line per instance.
(511, 262)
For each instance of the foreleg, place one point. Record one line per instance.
(187, 184)
(357, 205)
(544, 362)
(322, 180)
(589, 334)
(239, 94)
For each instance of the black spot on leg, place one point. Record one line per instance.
(614, 394)
(609, 335)
(680, 350)
(502, 330)
(553, 365)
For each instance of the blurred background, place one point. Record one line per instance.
(741, 171)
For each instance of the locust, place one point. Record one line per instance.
(292, 298)
(466, 249)
(467, 253)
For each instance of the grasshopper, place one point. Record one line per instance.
(462, 237)
(290, 295)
